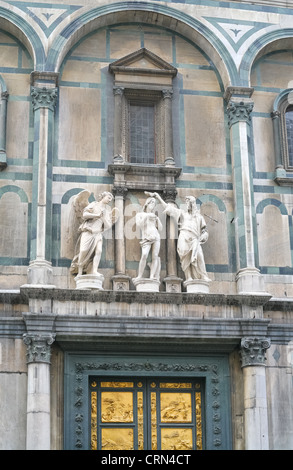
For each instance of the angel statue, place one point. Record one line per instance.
(192, 234)
(150, 225)
(94, 219)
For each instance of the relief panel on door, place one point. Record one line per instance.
(146, 414)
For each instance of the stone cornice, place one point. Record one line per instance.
(179, 298)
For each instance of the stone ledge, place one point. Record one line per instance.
(180, 298)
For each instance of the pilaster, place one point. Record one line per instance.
(252, 352)
(3, 119)
(44, 94)
(239, 108)
(168, 128)
(120, 280)
(38, 390)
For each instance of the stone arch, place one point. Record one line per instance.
(29, 36)
(147, 13)
(269, 42)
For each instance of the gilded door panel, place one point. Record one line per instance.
(146, 414)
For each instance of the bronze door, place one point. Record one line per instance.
(146, 414)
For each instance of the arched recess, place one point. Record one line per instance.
(273, 234)
(14, 216)
(16, 25)
(280, 39)
(147, 13)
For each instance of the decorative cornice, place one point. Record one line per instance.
(38, 347)
(253, 350)
(44, 97)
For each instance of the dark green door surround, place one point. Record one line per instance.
(211, 371)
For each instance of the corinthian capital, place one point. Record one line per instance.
(44, 97)
(253, 351)
(239, 111)
(38, 347)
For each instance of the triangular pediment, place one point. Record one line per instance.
(142, 61)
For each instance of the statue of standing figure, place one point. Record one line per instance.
(95, 218)
(150, 226)
(192, 234)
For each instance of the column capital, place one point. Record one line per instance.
(239, 110)
(253, 350)
(38, 347)
(120, 191)
(43, 97)
(170, 194)
(167, 93)
(118, 90)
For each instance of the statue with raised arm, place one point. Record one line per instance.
(192, 234)
(150, 226)
(94, 219)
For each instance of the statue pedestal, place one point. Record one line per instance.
(146, 285)
(120, 282)
(173, 284)
(89, 281)
(197, 286)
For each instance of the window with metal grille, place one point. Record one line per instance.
(142, 133)
(289, 131)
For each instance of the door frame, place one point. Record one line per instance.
(213, 369)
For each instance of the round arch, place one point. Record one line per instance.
(269, 42)
(26, 34)
(147, 13)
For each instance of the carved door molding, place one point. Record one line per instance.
(210, 373)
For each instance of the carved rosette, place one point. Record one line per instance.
(253, 351)
(239, 111)
(38, 347)
(44, 97)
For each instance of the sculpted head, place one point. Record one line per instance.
(149, 204)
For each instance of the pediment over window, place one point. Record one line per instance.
(143, 66)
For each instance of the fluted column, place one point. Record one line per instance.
(120, 279)
(172, 281)
(239, 108)
(43, 100)
(253, 359)
(118, 124)
(3, 119)
(168, 129)
(38, 390)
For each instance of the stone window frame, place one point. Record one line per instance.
(141, 97)
(140, 83)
